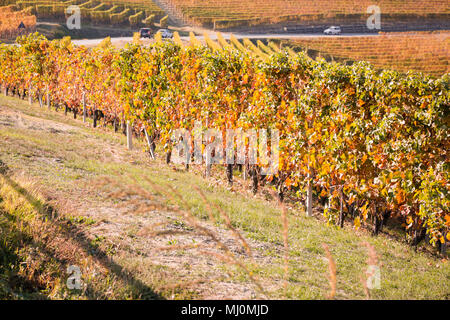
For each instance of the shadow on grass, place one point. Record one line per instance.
(49, 214)
(12, 283)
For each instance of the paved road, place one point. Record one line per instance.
(212, 35)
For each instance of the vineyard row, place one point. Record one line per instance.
(370, 145)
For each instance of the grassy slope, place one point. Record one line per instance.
(77, 167)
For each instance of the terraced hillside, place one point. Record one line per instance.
(230, 13)
(420, 51)
(101, 12)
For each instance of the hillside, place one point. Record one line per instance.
(419, 51)
(118, 14)
(235, 13)
(262, 15)
(73, 195)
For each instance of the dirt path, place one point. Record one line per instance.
(137, 227)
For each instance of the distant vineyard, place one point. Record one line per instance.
(424, 52)
(229, 13)
(105, 12)
(10, 21)
(372, 144)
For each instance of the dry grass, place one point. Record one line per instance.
(372, 261)
(154, 231)
(228, 256)
(332, 272)
(285, 231)
(227, 219)
(46, 243)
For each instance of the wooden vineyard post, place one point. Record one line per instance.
(30, 96)
(208, 155)
(129, 136)
(84, 107)
(309, 197)
(208, 171)
(41, 103)
(208, 165)
(341, 206)
(150, 144)
(48, 98)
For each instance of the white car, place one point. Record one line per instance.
(165, 34)
(333, 30)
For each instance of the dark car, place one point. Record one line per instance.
(145, 33)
